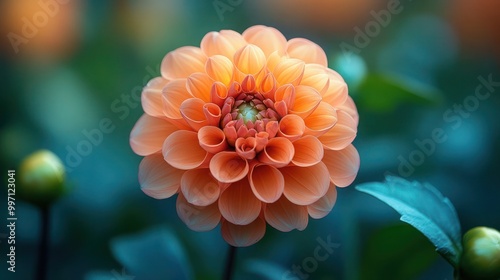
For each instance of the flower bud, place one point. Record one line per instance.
(481, 256)
(41, 178)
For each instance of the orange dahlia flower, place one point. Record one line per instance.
(247, 129)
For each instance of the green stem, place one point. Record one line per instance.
(43, 249)
(228, 272)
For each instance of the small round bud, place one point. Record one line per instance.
(41, 178)
(481, 256)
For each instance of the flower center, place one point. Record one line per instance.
(248, 112)
(248, 115)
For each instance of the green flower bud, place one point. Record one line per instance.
(41, 178)
(481, 256)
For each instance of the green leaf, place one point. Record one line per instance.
(396, 252)
(265, 270)
(425, 208)
(382, 92)
(152, 254)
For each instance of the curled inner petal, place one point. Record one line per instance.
(278, 152)
(192, 110)
(228, 167)
(212, 139)
(291, 127)
(246, 147)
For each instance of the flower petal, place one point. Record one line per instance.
(269, 39)
(336, 93)
(199, 85)
(246, 147)
(342, 165)
(199, 187)
(243, 235)
(192, 111)
(350, 108)
(183, 62)
(212, 139)
(218, 93)
(342, 134)
(267, 182)
(305, 185)
(197, 218)
(268, 85)
(308, 151)
(285, 93)
(289, 71)
(238, 204)
(285, 216)
(249, 60)
(228, 167)
(198, 114)
(151, 97)
(225, 42)
(307, 100)
(316, 76)
(182, 150)
(278, 152)
(291, 127)
(306, 51)
(149, 133)
(321, 120)
(174, 93)
(324, 205)
(157, 178)
(220, 68)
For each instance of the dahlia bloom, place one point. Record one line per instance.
(247, 129)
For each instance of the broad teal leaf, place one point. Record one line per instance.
(383, 92)
(152, 254)
(425, 208)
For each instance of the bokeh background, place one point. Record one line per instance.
(87, 61)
